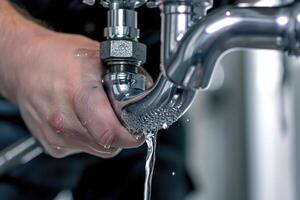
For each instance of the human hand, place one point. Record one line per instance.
(57, 85)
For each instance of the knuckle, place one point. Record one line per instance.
(106, 137)
(55, 120)
(62, 124)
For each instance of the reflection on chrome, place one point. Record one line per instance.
(230, 28)
(192, 43)
(220, 25)
(188, 64)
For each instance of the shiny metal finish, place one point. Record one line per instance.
(123, 54)
(176, 20)
(123, 83)
(229, 28)
(158, 108)
(122, 45)
(140, 109)
(117, 4)
(122, 24)
(165, 102)
(120, 51)
(199, 7)
(191, 45)
(89, 2)
(122, 33)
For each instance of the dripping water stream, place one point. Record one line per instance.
(149, 123)
(150, 162)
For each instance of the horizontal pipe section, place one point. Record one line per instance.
(230, 28)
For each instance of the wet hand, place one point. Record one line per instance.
(60, 95)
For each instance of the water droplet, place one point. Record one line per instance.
(173, 173)
(138, 137)
(58, 148)
(151, 119)
(165, 126)
(187, 120)
(133, 82)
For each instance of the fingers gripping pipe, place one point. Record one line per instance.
(188, 58)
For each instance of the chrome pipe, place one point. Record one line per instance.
(163, 105)
(165, 102)
(231, 28)
(190, 50)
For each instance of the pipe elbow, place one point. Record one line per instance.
(230, 28)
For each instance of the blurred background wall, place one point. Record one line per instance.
(216, 140)
(243, 140)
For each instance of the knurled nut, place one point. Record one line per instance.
(123, 50)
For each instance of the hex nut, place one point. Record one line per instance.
(123, 49)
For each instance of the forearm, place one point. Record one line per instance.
(18, 35)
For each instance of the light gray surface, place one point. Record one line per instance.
(216, 141)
